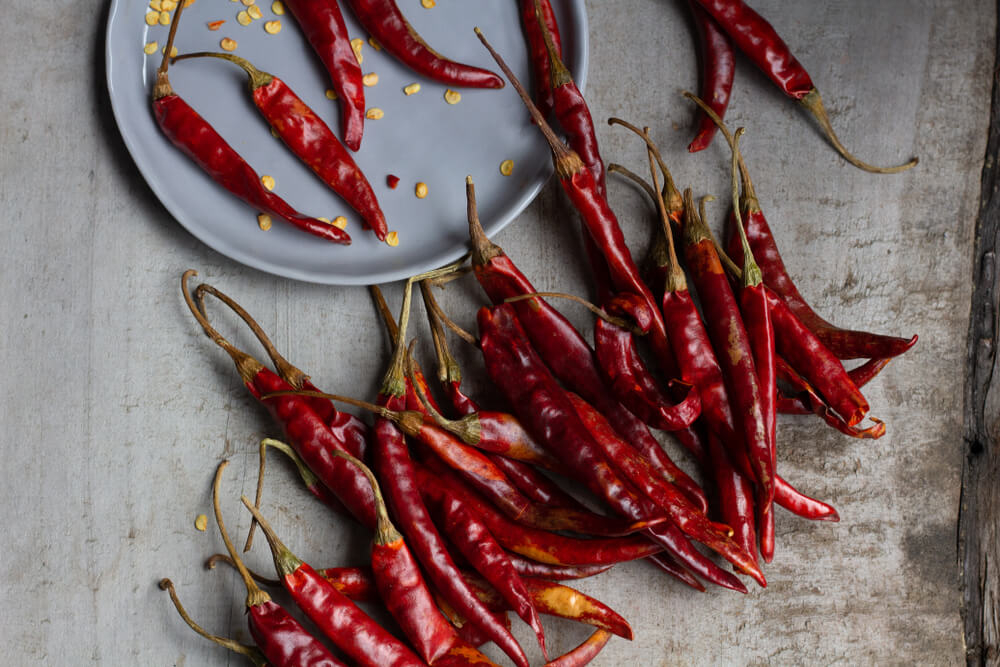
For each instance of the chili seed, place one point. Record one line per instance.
(155, 6)
(201, 522)
(375, 45)
(392, 239)
(168, 5)
(420, 190)
(249, 2)
(152, 18)
(264, 221)
(330, 95)
(272, 27)
(173, 51)
(452, 96)
(412, 88)
(254, 12)
(356, 44)
(228, 44)
(215, 25)
(427, 4)
(243, 18)
(277, 7)
(267, 181)
(164, 18)
(374, 113)
(370, 79)
(322, 219)
(150, 48)
(339, 222)
(507, 167)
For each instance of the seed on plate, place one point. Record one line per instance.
(420, 190)
(322, 219)
(155, 6)
(168, 5)
(249, 2)
(272, 27)
(267, 181)
(150, 48)
(374, 113)
(452, 96)
(164, 18)
(173, 51)
(427, 4)
(244, 18)
(507, 167)
(392, 239)
(375, 45)
(274, 133)
(330, 95)
(370, 79)
(201, 522)
(254, 12)
(412, 88)
(339, 222)
(215, 25)
(356, 44)
(264, 221)
(228, 44)
(152, 18)
(277, 7)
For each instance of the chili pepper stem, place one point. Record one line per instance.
(813, 103)
(483, 250)
(212, 560)
(751, 272)
(309, 478)
(616, 168)
(408, 421)
(383, 309)
(258, 78)
(670, 194)
(255, 596)
(600, 312)
(468, 429)
(385, 532)
(285, 562)
(559, 75)
(749, 199)
(250, 652)
(448, 368)
(162, 87)
(394, 382)
(675, 274)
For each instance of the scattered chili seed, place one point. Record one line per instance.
(356, 45)
(339, 222)
(374, 113)
(228, 44)
(507, 167)
(249, 2)
(277, 7)
(322, 219)
(452, 96)
(215, 25)
(243, 18)
(421, 190)
(152, 18)
(427, 4)
(392, 181)
(168, 5)
(201, 522)
(267, 181)
(254, 12)
(330, 95)
(173, 51)
(374, 44)
(164, 18)
(370, 79)
(155, 6)
(150, 48)
(392, 239)
(264, 221)
(412, 88)
(272, 27)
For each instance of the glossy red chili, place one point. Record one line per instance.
(538, 54)
(386, 23)
(669, 564)
(534, 484)
(527, 567)
(735, 497)
(309, 137)
(324, 28)
(819, 406)
(797, 503)
(718, 68)
(585, 652)
(860, 376)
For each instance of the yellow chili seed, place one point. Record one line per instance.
(173, 51)
(247, 3)
(156, 7)
(150, 48)
(452, 96)
(370, 79)
(267, 181)
(152, 18)
(277, 7)
(254, 12)
(228, 44)
(356, 44)
(168, 5)
(375, 45)
(243, 18)
(412, 88)
(322, 219)
(507, 167)
(420, 190)
(272, 27)
(339, 222)
(374, 113)
(164, 18)
(201, 522)
(330, 95)
(392, 239)
(264, 221)
(427, 4)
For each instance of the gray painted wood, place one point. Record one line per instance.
(116, 409)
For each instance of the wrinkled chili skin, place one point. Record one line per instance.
(735, 497)
(669, 564)
(718, 68)
(759, 41)
(756, 315)
(323, 25)
(530, 568)
(860, 376)
(574, 116)
(390, 28)
(192, 134)
(820, 407)
(363, 640)
(310, 138)
(533, 484)
(356, 583)
(810, 358)
(843, 343)
(503, 433)
(283, 640)
(540, 67)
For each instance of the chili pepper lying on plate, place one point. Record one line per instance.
(199, 141)
(309, 137)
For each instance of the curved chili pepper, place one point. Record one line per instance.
(349, 628)
(860, 376)
(819, 406)
(796, 502)
(470, 632)
(759, 41)
(324, 27)
(539, 55)
(309, 137)
(585, 652)
(669, 564)
(390, 28)
(534, 484)
(718, 68)
(735, 496)
(308, 477)
(527, 567)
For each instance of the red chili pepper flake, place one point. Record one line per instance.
(392, 181)
(215, 25)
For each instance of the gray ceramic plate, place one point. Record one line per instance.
(421, 138)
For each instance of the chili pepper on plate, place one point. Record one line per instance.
(539, 54)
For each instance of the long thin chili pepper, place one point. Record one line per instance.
(718, 67)
(539, 55)
(860, 376)
(534, 484)
(354, 632)
(309, 137)
(669, 564)
(527, 567)
(585, 652)
(449, 372)
(324, 27)
(386, 23)
(819, 406)
(759, 41)
(735, 497)
(400, 584)
(192, 134)
(798, 503)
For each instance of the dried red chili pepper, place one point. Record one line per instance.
(534, 484)
(539, 54)
(192, 134)
(860, 376)
(527, 567)
(390, 28)
(449, 372)
(735, 497)
(309, 137)
(668, 564)
(718, 67)
(798, 503)
(308, 477)
(583, 653)
(759, 41)
(350, 629)
(324, 28)
(819, 406)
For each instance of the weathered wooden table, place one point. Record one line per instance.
(115, 409)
